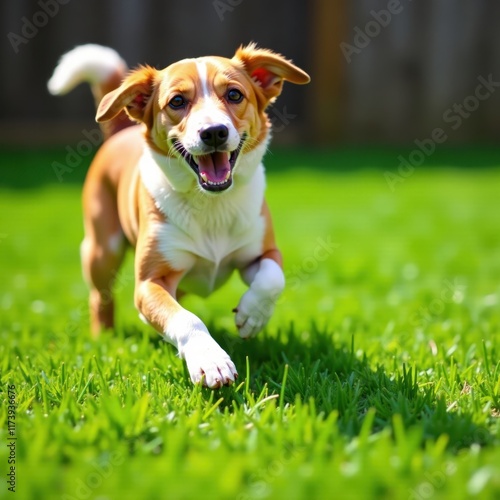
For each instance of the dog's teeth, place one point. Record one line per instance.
(206, 180)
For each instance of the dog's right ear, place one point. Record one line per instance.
(133, 95)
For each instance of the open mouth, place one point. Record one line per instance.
(215, 169)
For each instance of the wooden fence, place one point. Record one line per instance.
(384, 71)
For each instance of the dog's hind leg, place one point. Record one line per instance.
(102, 252)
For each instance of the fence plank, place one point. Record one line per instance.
(394, 89)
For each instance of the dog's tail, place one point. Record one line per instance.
(99, 66)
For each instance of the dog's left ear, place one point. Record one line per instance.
(133, 95)
(269, 70)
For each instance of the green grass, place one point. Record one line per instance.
(378, 376)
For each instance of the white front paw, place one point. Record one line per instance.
(253, 313)
(208, 363)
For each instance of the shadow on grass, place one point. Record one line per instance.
(337, 380)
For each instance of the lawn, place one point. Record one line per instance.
(378, 376)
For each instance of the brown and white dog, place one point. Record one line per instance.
(185, 187)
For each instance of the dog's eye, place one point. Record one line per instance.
(235, 96)
(177, 102)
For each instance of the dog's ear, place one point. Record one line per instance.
(133, 95)
(268, 70)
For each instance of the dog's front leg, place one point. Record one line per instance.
(156, 285)
(256, 307)
(206, 361)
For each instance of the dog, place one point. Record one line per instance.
(180, 178)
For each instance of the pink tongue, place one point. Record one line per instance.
(214, 166)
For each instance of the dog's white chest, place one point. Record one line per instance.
(207, 236)
(210, 258)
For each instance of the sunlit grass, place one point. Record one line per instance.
(378, 376)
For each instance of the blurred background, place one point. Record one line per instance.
(383, 71)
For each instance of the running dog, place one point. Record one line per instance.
(180, 178)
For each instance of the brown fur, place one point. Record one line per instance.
(118, 211)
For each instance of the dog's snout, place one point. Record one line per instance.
(214, 135)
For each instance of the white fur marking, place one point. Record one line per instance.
(209, 112)
(206, 361)
(203, 74)
(207, 235)
(257, 304)
(86, 63)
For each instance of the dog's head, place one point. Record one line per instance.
(206, 112)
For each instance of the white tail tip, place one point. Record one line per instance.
(87, 63)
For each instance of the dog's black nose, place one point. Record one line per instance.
(214, 135)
